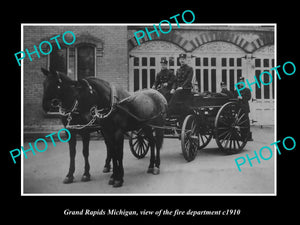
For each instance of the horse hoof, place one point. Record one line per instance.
(156, 171)
(150, 170)
(68, 180)
(106, 170)
(118, 183)
(111, 181)
(85, 178)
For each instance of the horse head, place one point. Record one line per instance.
(59, 90)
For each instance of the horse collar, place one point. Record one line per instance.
(88, 84)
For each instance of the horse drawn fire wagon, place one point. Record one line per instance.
(200, 118)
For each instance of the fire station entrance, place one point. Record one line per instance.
(212, 62)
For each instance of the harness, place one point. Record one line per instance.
(94, 111)
(102, 113)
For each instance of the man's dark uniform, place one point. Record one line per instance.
(226, 91)
(164, 76)
(184, 76)
(246, 94)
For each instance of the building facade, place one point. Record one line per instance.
(110, 52)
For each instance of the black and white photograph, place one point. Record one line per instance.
(158, 114)
(150, 113)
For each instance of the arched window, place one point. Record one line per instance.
(59, 60)
(86, 66)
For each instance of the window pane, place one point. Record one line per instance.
(231, 62)
(144, 61)
(198, 78)
(257, 89)
(152, 61)
(257, 62)
(223, 61)
(58, 60)
(205, 61)
(144, 78)
(266, 80)
(136, 80)
(213, 80)
(205, 79)
(136, 61)
(198, 62)
(266, 62)
(171, 61)
(224, 76)
(85, 61)
(273, 84)
(152, 77)
(238, 62)
(231, 80)
(213, 61)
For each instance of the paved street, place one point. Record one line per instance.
(212, 172)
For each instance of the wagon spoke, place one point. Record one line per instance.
(239, 118)
(239, 146)
(222, 134)
(227, 141)
(202, 138)
(136, 141)
(142, 146)
(224, 122)
(225, 138)
(243, 122)
(134, 137)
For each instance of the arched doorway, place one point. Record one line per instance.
(217, 61)
(144, 62)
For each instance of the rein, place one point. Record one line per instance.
(94, 111)
(69, 117)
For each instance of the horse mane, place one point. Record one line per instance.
(65, 78)
(103, 89)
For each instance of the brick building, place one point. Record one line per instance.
(110, 52)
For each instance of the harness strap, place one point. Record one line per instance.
(137, 118)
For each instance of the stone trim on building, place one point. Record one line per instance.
(234, 37)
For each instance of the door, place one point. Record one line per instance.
(263, 99)
(144, 63)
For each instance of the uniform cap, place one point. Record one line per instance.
(182, 55)
(164, 60)
(242, 79)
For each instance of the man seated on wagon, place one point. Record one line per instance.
(182, 86)
(225, 91)
(164, 80)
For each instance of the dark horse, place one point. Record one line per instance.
(60, 91)
(121, 111)
(117, 116)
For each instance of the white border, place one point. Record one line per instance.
(147, 24)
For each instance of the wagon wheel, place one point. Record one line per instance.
(204, 139)
(189, 138)
(232, 128)
(139, 144)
